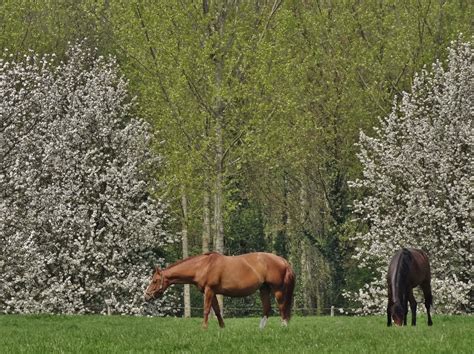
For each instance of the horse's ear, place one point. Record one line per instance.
(158, 270)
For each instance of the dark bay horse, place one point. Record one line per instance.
(408, 268)
(234, 276)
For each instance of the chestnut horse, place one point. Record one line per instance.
(234, 276)
(408, 269)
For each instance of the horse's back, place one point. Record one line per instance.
(259, 267)
(421, 265)
(418, 265)
(272, 267)
(420, 256)
(263, 260)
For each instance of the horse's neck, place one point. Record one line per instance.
(183, 272)
(399, 293)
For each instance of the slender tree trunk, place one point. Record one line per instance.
(319, 302)
(304, 277)
(206, 222)
(219, 121)
(218, 208)
(305, 259)
(184, 237)
(286, 219)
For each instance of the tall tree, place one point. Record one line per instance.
(184, 240)
(198, 70)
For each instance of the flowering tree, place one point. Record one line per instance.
(417, 174)
(79, 229)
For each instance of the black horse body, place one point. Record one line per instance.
(408, 269)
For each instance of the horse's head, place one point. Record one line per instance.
(157, 286)
(398, 314)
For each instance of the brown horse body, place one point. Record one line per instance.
(408, 269)
(235, 276)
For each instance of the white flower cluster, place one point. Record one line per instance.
(417, 174)
(80, 231)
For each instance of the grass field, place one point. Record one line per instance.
(113, 334)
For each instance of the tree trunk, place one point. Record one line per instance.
(218, 217)
(184, 237)
(218, 208)
(219, 120)
(305, 277)
(305, 251)
(206, 223)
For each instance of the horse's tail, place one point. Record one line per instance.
(289, 286)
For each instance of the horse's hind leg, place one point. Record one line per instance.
(426, 287)
(266, 304)
(412, 300)
(280, 298)
(217, 311)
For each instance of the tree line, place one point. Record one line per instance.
(257, 107)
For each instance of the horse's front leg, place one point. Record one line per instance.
(217, 311)
(208, 295)
(266, 304)
(389, 312)
(405, 308)
(389, 305)
(412, 300)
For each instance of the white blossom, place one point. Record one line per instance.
(80, 226)
(417, 173)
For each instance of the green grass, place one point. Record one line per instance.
(103, 334)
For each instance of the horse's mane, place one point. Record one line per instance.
(401, 272)
(191, 257)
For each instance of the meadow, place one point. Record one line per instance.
(118, 334)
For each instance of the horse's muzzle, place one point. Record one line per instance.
(148, 297)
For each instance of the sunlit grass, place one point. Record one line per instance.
(103, 334)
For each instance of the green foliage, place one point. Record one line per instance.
(291, 84)
(47, 26)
